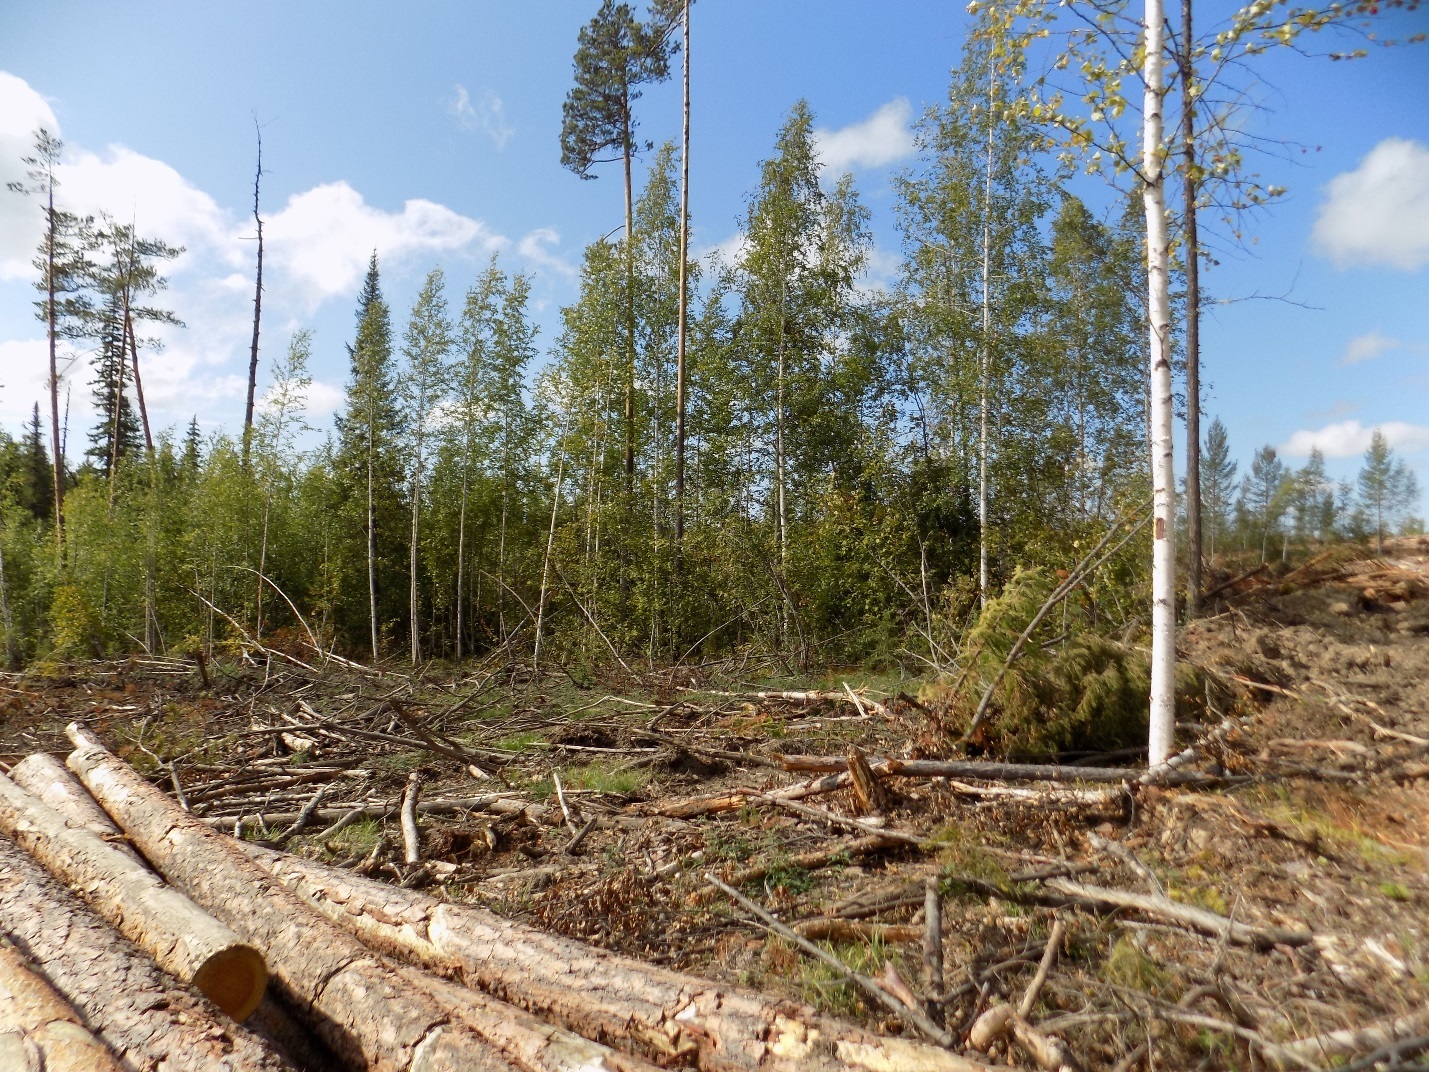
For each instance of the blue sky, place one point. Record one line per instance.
(430, 131)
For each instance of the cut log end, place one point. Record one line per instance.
(234, 979)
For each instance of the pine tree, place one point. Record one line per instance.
(1312, 499)
(424, 382)
(64, 270)
(1218, 472)
(1387, 488)
(615, 55)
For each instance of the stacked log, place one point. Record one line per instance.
(150, 1021)
(589, 993)
(39, 1030)
(370, 1013)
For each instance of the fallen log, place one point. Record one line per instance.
(987, 770)
(186, 941)
(366, 1012)
(149, 1020)
(662, 1014)
(39, 1030)
(849, 930)
(46, 778)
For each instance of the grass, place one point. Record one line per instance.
(1126, 965)
(1395, 891)
(359, 837)
(600, 777)
(519, 742)
(819, 984)
(398, 762)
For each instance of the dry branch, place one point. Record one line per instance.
(361, 1008)
(147, 1019)
(1199, 919)
(187, 942)
(39, 1030)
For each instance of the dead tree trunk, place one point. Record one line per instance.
(257, 307)
(39, 1029)
(363, 1009)
(186, 942)
(146, 1018)
(665, 1015)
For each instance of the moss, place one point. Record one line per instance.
(1126, 965)
(1395, 891)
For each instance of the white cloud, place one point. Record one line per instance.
(24, 368)
(1378, 214)
(1374, 344)
(1350, 439)
(882, 138)
(22, 110)
(488, 114)
(533, 247)
(729, 252)
(321, 240)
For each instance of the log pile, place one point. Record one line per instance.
(362, 966)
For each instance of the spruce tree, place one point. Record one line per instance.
(1387, 488)
(38, 486)
(116, 433)
(368, 458)
(1218, 472)
(1263, 494)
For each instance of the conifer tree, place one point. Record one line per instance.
(63, 272)
(116, 435)
(1218, 472)
(1263, 495)
(38, 486)
(368, 458)
(1387, 488)
(616, 54)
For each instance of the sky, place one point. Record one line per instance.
(430, 132)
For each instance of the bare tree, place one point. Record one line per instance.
(257, 304)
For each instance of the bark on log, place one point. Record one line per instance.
(870, 792)
(363, 1009)
(850, 930)
(668, 1016)
(150, 1021)
(46, 778)
(39, 1030)
(50, 780)
(186, 942)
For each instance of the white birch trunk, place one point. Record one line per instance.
(1163, 475)
(982, 582)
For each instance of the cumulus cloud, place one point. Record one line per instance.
(22, 111)
(24, 368)
(1350, 439)
(534, 247)
(884, 137)
(1374, 344)
(1378, 214)
(486, 114)
(322, 238)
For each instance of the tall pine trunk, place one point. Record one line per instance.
(682, 323)
(371, 539)
(414, 598)
(1163, 473)
(52, 326)
(461, 556)
(257, 308)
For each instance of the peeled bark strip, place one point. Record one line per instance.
(186, 942)
(39, 1030)
(669, 1016)
(150, 1021)
(365, 1012)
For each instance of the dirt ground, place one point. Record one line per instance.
(1315, 833)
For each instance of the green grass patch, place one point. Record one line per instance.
(359, 837)
(1126, 965)
(1395, 891)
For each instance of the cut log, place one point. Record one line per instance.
(850, 930)
(363, 1009)
(149, 1020)
(46, 778)
(665, 1015)
(870, 792)
(39, 1030)
(186, 941)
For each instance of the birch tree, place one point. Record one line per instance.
(423, 385)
